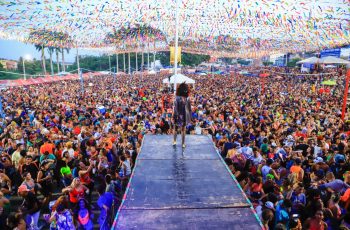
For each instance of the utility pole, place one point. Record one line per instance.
(136, 64)
(129, 63)
(148, 57)
(124, 62)
(109, 63)
(24, 70)
(80, 73)
(117, 62)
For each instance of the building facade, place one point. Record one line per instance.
(9, 65)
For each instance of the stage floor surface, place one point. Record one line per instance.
(176, 188)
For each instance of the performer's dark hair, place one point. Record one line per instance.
(182, 90)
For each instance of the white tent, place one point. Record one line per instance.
(105, 72)
(333, 60)
(63, 73)
(330, 66)
(152, 72)
(304, 69)
(178, 79)
(311, 60)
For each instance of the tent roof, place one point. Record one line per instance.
(178, 79)
(333, 60)
(311, 60)
(324, 60)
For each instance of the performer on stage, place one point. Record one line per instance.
(182, 111)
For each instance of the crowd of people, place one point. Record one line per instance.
(62, 143)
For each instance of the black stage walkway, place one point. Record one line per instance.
(175, 189)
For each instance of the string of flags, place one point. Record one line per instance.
(230, 28)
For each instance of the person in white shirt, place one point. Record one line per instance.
(246, 151)
(16, 156)
(257, 157)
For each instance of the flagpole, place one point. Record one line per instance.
(117, 62)
(142, 61)
(109, 63)
(148, 57)
(136, 63)
(124, 62)
(129, 63)
(80, 73)
(176, 41)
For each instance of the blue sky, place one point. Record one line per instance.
(14, 49)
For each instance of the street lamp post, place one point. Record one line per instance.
(142, 62)
(124, 62)
(148, 57)
(109, 63)
(117, 64)
(129, 63)
(24, 70)
(115, 74)
(80, 73)
(176, 41)
(136, 63)
(25, 57)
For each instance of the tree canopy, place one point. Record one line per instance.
(99, 63)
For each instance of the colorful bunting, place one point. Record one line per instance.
(242, 28)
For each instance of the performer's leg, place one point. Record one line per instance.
(183, 133)
(175, 134)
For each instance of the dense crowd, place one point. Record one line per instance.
(61, 144)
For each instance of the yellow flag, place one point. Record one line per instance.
(313, 88)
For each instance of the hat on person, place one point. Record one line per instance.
(65, 170)
(270, 176)
(269, 205)
(23, 188)
(318, 160)
(273, 144)
(44, 162)
(343, 136)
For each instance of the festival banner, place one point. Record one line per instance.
(172, 55)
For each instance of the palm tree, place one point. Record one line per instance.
(42, 49)
(51, 51)
(57, 60)
(63, 66)
(43, 35)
